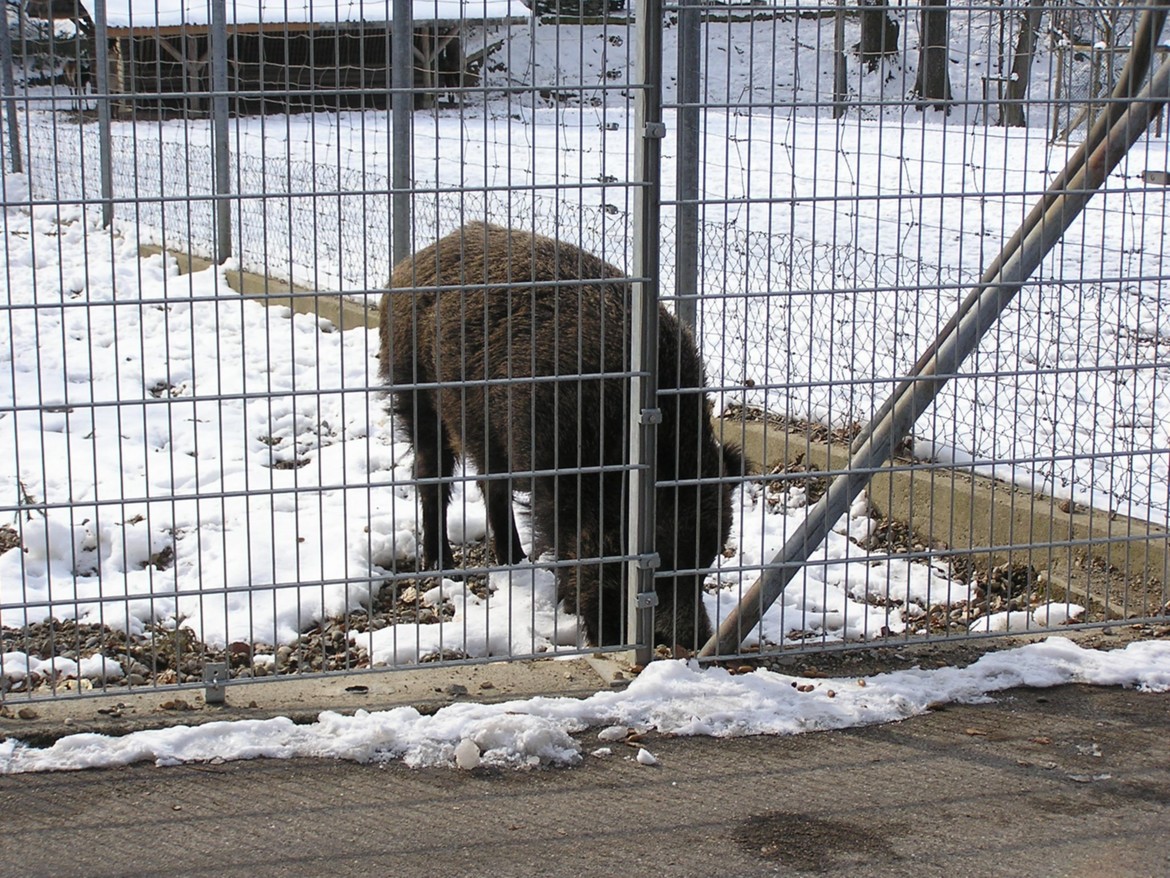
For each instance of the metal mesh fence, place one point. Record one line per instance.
(291, 207)
(841, 206)
(197, 478)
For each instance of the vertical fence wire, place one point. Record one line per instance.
(101, 84)
(686, 135)
(8, 89)
(218, 47)
(402, 100)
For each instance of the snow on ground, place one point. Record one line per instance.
(671, 697)
(832, 251)
(216, 464)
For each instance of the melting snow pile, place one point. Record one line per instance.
(671, 697)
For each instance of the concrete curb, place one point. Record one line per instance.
(40, 721)
(1119, 565)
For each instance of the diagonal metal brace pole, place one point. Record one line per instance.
(999, 285)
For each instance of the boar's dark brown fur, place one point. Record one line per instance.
(494, 342)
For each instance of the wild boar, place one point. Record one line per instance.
(512, 350)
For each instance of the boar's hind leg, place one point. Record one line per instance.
(434, 457)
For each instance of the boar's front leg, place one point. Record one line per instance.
(497, 494)
(434, 459)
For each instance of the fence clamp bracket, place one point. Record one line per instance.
(646, 600)
(214, 674)
(650, 416)
(649, 561)
(654, 130)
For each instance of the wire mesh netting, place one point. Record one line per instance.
(191, 476)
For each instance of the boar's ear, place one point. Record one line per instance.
(734, 463)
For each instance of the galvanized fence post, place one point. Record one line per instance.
(840, 74)
(401, 108)
(102, 83)
(219, 113)
(686, 251)
(644, 411)
(8, 87)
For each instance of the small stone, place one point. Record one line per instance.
(645, 757)
(26, 713)
(467, 754)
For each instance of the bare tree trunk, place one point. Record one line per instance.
(933, 85)
(879, 32)
(1012, 109)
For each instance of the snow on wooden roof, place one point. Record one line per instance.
(136, 14)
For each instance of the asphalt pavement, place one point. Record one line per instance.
(1071, 781)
